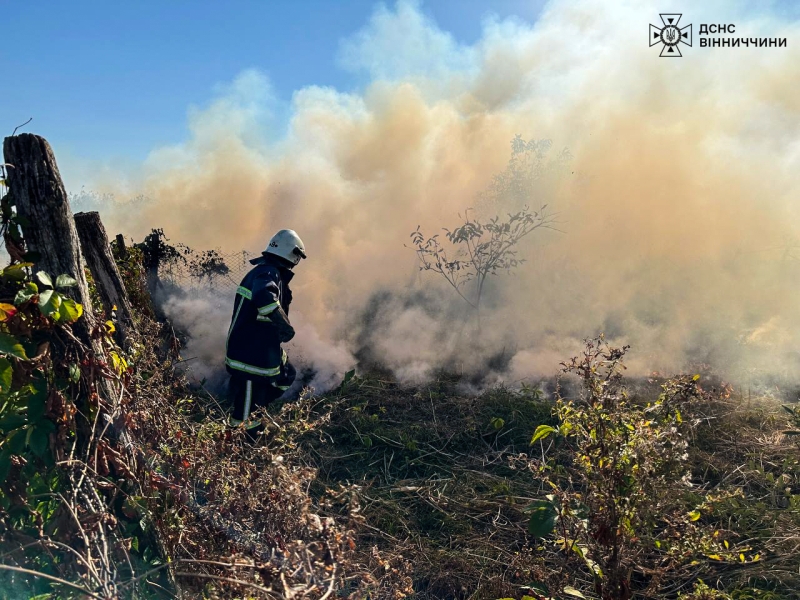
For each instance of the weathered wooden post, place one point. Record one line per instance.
(122, 249)
(97, 252)
(40, 197)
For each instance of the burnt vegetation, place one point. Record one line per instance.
(119, 479)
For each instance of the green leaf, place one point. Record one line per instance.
(44, 278)
(6, 373)
(74, 373)
(593, 566)
(571, 591)
(65, 281)
(10, 346)
(12, 422)
(46, 296)
(542, 431)
(49, 304)
(5, 463)
(16, 441)
(348, 376)
(26, 293)
(16, 272)
(539, 588)
(69, 311)
(37, 401)
(46, 425)
(39, 441)
(543, 518)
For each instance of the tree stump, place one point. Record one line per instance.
(97, 252)
(40, 197)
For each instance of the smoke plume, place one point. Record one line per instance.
(678, 204)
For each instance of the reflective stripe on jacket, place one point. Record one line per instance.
(253, 346)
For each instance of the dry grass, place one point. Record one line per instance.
(234, 518)
(436, 484)
(740, 446)
(383, 492)
(437, 489)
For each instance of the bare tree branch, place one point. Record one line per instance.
(23, 125)
(51, 578)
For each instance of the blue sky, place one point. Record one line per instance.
(115, 79)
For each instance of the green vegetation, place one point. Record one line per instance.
(460, 504)
(624, 502)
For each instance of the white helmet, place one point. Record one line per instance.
(288, 245)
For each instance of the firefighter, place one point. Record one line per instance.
(259, 368)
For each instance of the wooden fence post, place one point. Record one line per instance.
(40, 197)
(122, 249)
(97, 252)
(37, 188)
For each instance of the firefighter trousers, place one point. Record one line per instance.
(249, 393)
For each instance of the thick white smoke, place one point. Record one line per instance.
(679, 204)
(204, 317)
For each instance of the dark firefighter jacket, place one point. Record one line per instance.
(259, 323)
